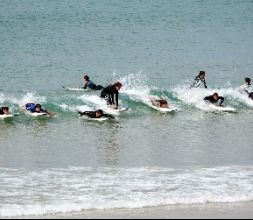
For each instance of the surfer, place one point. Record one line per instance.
(95, 114)
(4, 111)
(111, 95)
(88, 84)
(200, 79)
(246, 87)
(214, 99)
(161, 103)
(37, 108)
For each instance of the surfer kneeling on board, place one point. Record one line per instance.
(111, 94)
(162, 103)
(88, 84)
(200, 79)
(36, 108)
(95, 114)
(214, 99)
(4, 111)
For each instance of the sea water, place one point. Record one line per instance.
(143, 158)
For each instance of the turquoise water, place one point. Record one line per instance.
(143, 158)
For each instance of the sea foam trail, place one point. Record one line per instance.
(75, 189)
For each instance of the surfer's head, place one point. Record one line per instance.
(248, 81)
(86, 78)
(5, 110)
(216, 96)
(202, 74)
(99, 113)
(118, 86)
(38, 108)
(164, 104)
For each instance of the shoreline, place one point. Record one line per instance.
(197, 211)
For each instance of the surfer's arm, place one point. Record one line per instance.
(108, 116)
(204, 81)
(117, 100)
(50, 114)
(222, 100)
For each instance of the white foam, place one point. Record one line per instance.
(28, 98)
(196, 97)
(54, 191)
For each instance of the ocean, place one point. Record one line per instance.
(143, 158)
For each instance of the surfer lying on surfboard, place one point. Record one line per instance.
(111, 95)
(37, 108)
(95, 114)
(214, 99)
(162, 103)
(4, 111)
(88, 84)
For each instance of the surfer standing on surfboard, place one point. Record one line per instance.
(247, 88)
(214, 99)
(88, 84)
(37, 108)
(4, 111)
(95, 114)
(200, 79)
(111, 94)
(162, 103)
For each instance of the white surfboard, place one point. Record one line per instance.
(116, 112)
(36, 114)
(95, 119)
(6, 116)
(222, 109)
(77, 89)
(163, 110)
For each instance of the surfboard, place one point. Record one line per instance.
(6, 116)
(77, 89)
(111, 111)
(222, 109)
(36, 114)
(162, 110)
(94, 119)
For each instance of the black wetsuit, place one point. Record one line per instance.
(212, 100)
(197, 83)
(1, 111)
(251, 95)
(111, 95)
(92, 114)
(92, 86)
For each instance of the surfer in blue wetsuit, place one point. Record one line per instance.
(214, 99)
(111, 94)
(37, 108)
(4, 111)
(88, 84)
(200, 79)
(95, 114)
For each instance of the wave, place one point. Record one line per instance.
(74, 189)
(135, 94)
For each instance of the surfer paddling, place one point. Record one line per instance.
(96, 114)
(111, 94)
(200, 80)
(37, 108)
(214, 99)
(4, 111)
(88, 84)
(161, 103)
